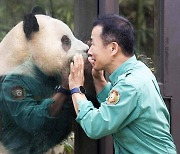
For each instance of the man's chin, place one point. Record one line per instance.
(96, 69)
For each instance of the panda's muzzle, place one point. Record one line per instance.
(85, 57)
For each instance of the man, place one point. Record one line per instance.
(131, 107)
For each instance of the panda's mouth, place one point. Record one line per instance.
(85, 57)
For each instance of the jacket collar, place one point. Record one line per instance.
(123, 68)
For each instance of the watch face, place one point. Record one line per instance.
(82, 89)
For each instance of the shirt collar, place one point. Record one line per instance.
(126, 66)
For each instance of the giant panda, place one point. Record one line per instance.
(36, 52)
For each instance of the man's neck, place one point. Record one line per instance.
(117, 62)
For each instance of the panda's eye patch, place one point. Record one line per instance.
(66, 43)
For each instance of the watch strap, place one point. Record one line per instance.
(80, 90)
(60, 89)
(75, 90)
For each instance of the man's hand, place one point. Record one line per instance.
(98, 76)
(76, 77)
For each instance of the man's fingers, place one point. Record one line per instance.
(71, 68)
(75, 61)
(81, 61)
(78, 62)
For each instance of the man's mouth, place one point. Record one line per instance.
(91, 59)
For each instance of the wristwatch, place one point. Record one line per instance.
(60, 89)
(80, 90)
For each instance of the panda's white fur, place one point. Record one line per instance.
(44, 48)
(18, 54)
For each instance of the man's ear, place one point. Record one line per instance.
(30, 25)
(114, 48)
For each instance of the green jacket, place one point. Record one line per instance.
(24, 104)
(132, 110)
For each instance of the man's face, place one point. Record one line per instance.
(98, 51)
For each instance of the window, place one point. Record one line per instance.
(11, 13)
(143, 16)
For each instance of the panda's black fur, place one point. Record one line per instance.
(56, 132)
(30, 25)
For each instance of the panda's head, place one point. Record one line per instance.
(48, 42)
(51, 42)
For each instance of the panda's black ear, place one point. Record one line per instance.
(30, 25)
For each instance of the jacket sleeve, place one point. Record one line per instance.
(109, 118)
(29, 114)
(101, 97)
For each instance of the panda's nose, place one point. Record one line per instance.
(89, 45)
(86, 51)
